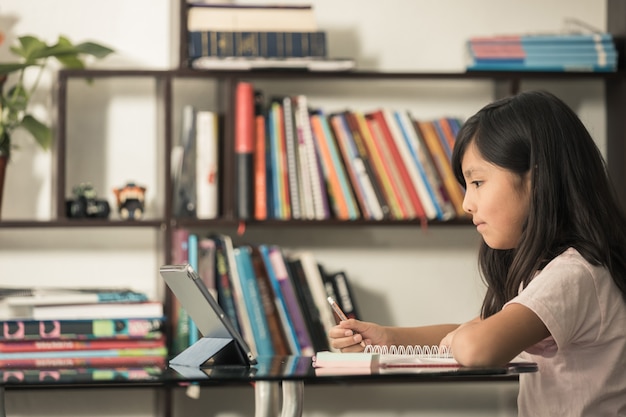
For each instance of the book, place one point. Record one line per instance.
(225, 296)
(295, 309)
(251, 44)
(415, 181)
(184, 198)
(147, 309)
(404, 359)
(270, 304)
(339, 189)
(252, 298)
(26, 297)
(431, 182)
(442, 163)
(280, 301)
(180, 317)
(24, 330)
(239, 17)
(361, 148)
(310, 311)
(281, 202)
(293, 170)
(85, 362)
(82, 375)
(355, 166)
(84, 353)
(313, 184)
(544, 52)
(206, 165)
(236, 285)
(244, 149)
(192, 245)
(312, 64)
(344, 295)
(260, 158)
(310, 269)
(41, 345)
(393, 183)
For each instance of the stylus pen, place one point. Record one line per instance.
(339, 312)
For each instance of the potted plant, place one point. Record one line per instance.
(33, 54)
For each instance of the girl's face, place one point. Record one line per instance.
(496, 198)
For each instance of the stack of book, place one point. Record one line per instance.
(80, 328)
(236, 36)
(276, 298)
(298, 163)
(543, 52)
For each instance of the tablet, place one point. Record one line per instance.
(221, 344)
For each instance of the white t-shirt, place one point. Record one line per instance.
(582, 365)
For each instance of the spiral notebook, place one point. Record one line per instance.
(387, 357)
(407, 359)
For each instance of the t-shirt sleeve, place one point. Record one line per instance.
(564, 297)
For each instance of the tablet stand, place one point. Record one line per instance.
(209, 351)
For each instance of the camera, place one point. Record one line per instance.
(85, 204)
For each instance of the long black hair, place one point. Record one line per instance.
(572, 202)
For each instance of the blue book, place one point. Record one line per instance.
(254, 304)
(192, 247)
(281, 304)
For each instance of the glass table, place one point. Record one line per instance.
(287, 373)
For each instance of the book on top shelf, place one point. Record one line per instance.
(223, 44)
(251, 17)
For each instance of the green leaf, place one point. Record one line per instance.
(41, 132)
(30, 45)
(12, 67)
(94, 49)
(71, 61)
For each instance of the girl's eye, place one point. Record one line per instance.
(476, 184)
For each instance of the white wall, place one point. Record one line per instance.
(402, 275)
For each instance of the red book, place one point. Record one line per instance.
(398, 162)
(244, 149)
(77, 344)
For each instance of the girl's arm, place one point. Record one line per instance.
(497, 339)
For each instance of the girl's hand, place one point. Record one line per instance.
(353, 335)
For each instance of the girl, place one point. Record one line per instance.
(553, 257)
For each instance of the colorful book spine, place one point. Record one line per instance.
(256, 44)
(254, 304)
(372, 173)
(312, 166)
(292, 160)
(244, 149)
(260, 159)
(101, 353)
(71, 344)
(291, 299)
(80, 329)
(85, 362)
(192, 246)
(280, 302)
(455, 193)
(342, 198)
(417, 171)
(225, 295)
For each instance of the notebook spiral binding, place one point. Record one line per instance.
(419, 350)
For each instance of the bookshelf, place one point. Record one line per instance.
(163, 222)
